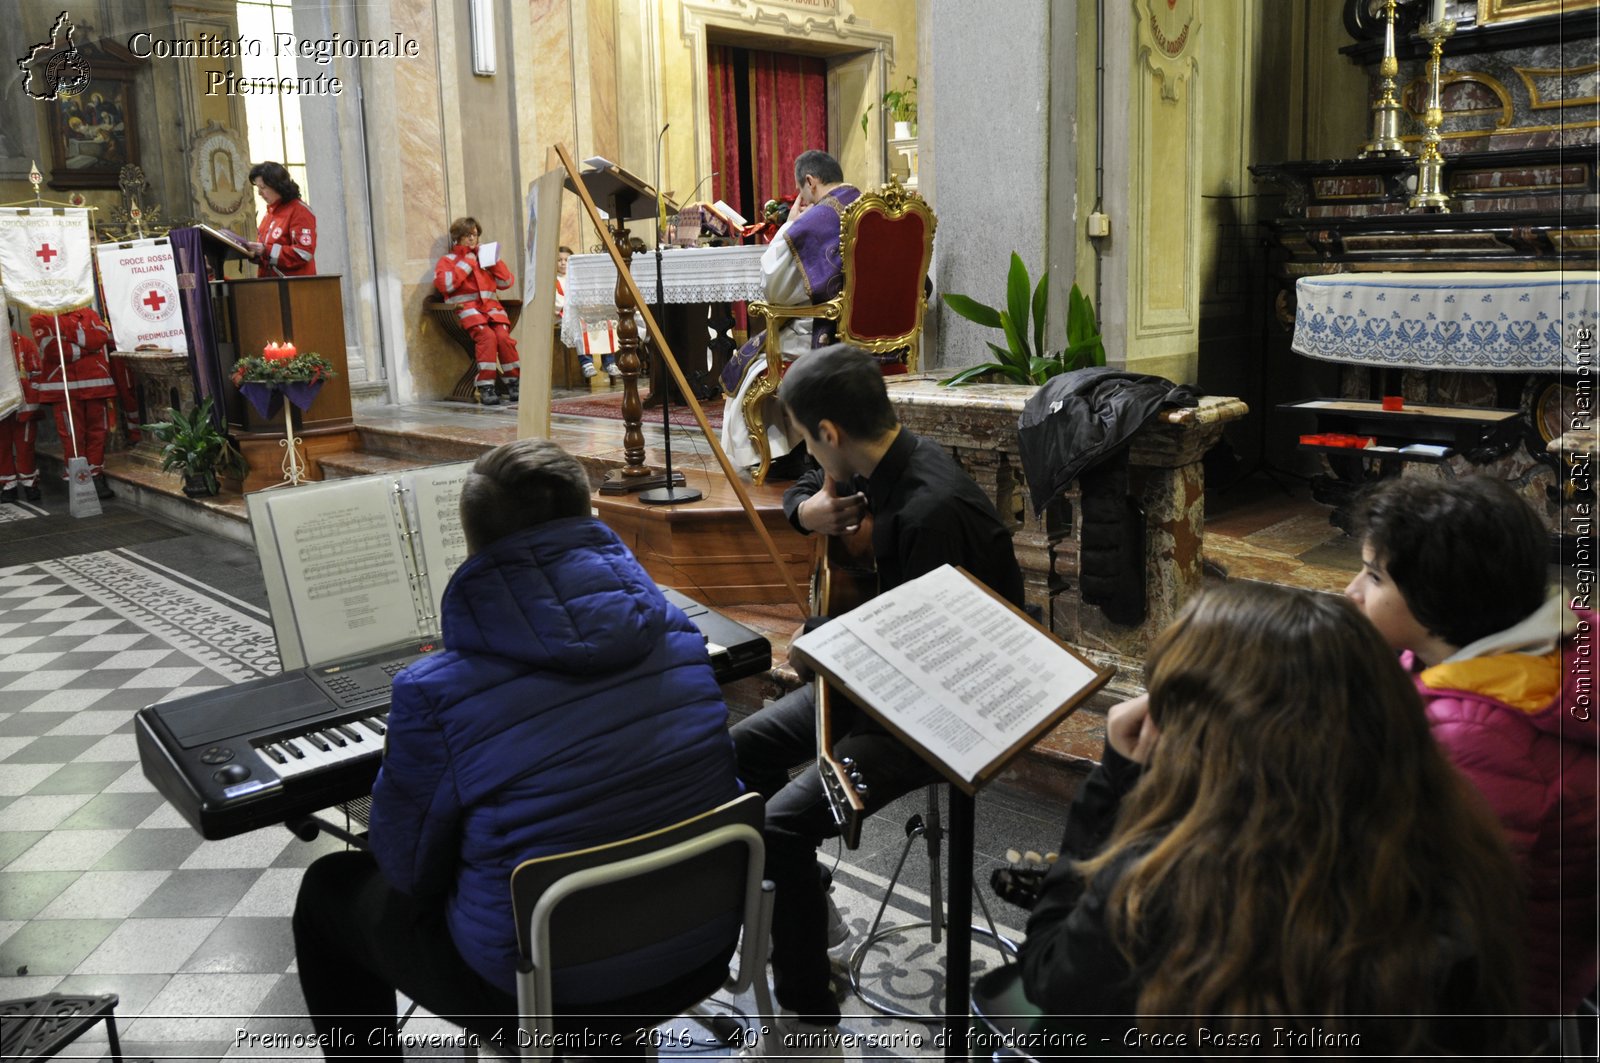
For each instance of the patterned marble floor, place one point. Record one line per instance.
(105, 888)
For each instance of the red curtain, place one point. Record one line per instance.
(786, 101)
(726, 185)
(788, 115)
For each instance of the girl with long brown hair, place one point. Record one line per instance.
(1297, 865)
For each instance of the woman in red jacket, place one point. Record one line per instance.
(471, 288)
(286, 242)
(77, 375)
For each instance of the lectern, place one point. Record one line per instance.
(627, 198)
(231, 318)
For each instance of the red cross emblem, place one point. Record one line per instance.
(46, 253)
(154, 301)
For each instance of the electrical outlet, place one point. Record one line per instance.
(1099, 224)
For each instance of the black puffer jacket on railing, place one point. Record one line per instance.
(1071, 429)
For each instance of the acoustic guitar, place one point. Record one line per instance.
(846, 576)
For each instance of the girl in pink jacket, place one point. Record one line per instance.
(1454, 575)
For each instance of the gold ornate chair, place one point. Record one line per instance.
(885, 244)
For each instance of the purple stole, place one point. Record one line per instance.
(814, 241)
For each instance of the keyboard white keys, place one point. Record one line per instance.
(324, 747)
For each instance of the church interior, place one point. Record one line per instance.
(1239, 202)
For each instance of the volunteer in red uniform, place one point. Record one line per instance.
(286, 242)
(471, 289)
(86, 384)
(18, 430)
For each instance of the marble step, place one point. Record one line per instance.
(345, 464)
(427, 444)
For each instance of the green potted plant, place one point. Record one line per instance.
(194, 446)
(1022, 361)
(901, 105)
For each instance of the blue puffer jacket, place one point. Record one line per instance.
(573, 706)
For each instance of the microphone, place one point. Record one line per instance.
(698, 187)
(661, 202)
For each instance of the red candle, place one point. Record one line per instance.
(288, 347)
(274, 352)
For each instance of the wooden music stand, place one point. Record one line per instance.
(628, 199)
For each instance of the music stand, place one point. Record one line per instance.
(629, 199)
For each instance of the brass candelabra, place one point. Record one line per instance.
(1385, 140)
(1430, 194)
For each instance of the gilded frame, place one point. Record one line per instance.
(1491, 12)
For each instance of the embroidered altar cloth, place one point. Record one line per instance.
(689, 275)
(1499, 322)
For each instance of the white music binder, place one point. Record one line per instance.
(359, 564)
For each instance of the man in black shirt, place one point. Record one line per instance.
(926, 512)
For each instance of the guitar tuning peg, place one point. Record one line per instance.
(1013, 857)
(1032, 857)
(1051, 858)
(861, 788)
(847, 762)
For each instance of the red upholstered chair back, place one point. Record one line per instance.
(886, 244)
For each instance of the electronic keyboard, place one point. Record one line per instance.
(272, 750)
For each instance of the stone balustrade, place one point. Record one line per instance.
(978, 424)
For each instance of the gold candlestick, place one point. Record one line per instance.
(1386, 112)
(1430, 195)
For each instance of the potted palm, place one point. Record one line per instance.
(1024, 359)
(193, 446)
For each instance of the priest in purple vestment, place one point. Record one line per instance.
(801, 266)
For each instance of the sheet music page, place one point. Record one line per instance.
(949, 665)
(345, 567)
(489, 253)
(435, 494)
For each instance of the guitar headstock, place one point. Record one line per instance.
(846, 789)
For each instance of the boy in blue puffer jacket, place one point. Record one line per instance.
(572, 706)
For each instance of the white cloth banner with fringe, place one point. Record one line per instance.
(141, 294)
(45, 260)
(10, 381)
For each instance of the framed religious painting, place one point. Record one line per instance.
(94, 132)
(1494, 11)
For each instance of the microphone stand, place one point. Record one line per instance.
(671, 494)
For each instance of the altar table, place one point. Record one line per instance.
(689, 275)
(1500, 322)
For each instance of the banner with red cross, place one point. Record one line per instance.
(140, 284)
(44, 258)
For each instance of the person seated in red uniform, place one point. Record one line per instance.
(470, 287)
(286, 242)
(77, 375)
(19, 429)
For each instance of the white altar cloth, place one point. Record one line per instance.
(689, 275)
(1500, 322)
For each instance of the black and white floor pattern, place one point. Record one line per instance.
(105, 888)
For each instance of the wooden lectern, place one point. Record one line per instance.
(309, 311)
(236, 318)
(627, 198)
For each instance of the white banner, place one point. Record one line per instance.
(10, 382)
(44, 258)
(141, 290)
